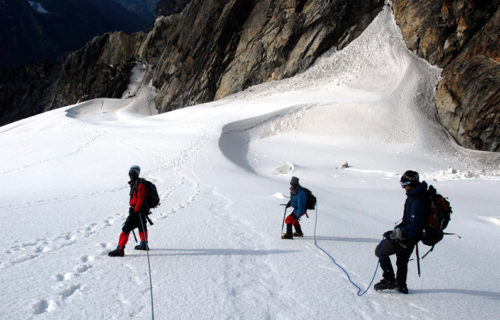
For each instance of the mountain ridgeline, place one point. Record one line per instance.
(39, 30)
(215, 48)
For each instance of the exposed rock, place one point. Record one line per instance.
(169, 7)
(100, 69)
(461, 37)
(23, 90)
(220, 48)
(215, 48)
(156, 40)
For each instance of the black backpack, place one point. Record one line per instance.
(152, 199)
(310, 199)
(437, 217)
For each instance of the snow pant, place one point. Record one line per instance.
(290, 220)
(403, 251)
(134, 220)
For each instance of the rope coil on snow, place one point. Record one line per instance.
(359, 293)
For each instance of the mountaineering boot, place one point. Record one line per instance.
(384, 284)
(298, 231)
(402, 288)
(288, 234)
(118, 252)
(142, 246)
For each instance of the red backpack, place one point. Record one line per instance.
(437, 217)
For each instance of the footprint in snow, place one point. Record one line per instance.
(63, 276)
(68, 291)
(44, 306)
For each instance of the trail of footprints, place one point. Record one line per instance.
(27, 251)
(66, 285)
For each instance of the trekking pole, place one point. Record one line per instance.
(284, 214)
(418, 260)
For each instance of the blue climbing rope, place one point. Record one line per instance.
(359, 293)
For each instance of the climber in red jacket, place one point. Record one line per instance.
(137, 214)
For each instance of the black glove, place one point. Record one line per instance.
(288, 205)
(387, 234)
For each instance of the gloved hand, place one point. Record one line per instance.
(387, 234)
(288, 205)
(397, 234)
(131, 210)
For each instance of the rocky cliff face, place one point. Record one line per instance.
(215, 48)
(23, 90)
(100, 69)
(169, 7)
(462, 37)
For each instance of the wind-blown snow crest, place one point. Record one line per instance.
(373, 92)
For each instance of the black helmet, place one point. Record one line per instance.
(134, 172)
(410, 178)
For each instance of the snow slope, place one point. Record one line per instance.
(222, 169)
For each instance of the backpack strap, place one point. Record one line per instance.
(133, 187)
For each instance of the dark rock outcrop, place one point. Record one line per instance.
(462, 37)
(215, 48)
(100, 69)
(169, 7)
(23, 90)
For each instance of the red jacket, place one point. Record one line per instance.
(138, 196)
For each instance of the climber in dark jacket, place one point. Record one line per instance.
(402, 240)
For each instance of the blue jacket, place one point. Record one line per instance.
(414, 212)
(298, 201)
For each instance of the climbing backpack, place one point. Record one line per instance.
(310, 199)
(152, 199)
(436, 218)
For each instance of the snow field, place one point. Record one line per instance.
(222, 170)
